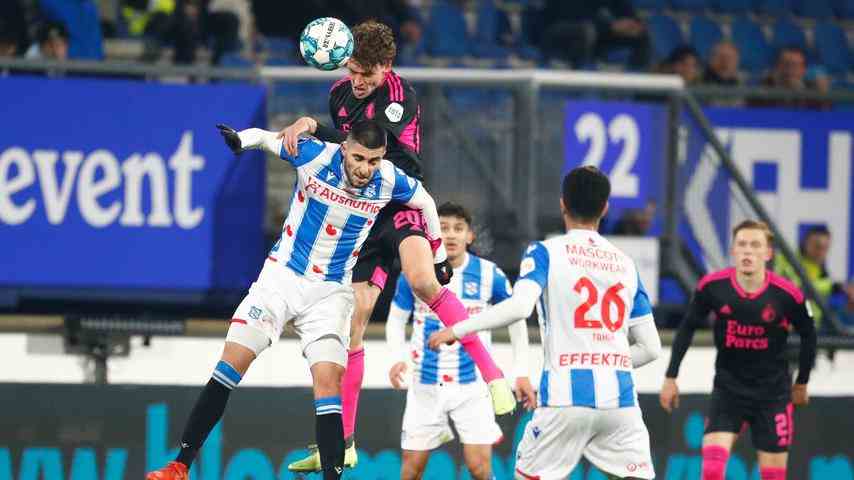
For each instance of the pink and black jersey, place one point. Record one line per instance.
(394, 106)
(751, 332)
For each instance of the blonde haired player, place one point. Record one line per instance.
(596, 326)
(445, 384)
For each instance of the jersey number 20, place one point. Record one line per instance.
(611, 298)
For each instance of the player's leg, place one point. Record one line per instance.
(724, 422)
(772, 430)
(619, 445)
(256, 320)
(413, 463)
(478, 460)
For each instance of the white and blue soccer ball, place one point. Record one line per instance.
(326, 43)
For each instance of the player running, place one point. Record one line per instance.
(596, 326)
(445, 384)
(753, 311)
(373, 90)
(306, 278)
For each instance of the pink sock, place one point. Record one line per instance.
(451, 311)
(772, 473)
(351, 385)
(714, 462)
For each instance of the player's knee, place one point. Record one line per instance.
(411, 471)
(480, 469)
(327, 358)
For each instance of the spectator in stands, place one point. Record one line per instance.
(636, 221)
(8, 41)
(81, 21)
(723, 65)
(580, 31)
(685, 62)
(790, 72)
(52, 43)
(812, 254)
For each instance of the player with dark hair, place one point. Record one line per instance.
(444, 384)
(306, 279)
(373, 90)
(753, 311)
(596, 326)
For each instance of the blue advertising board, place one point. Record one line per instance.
(128, 185)
(797, 162)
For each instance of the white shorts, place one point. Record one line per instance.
(317, 309)
(615, 441)
(425, 420)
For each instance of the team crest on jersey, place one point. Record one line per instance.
(394, 112)
(370, 190)
(330, 175)
(768, 314)
(470, 288)
(254, 313)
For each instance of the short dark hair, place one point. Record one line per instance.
(50, 30)
(790, 48)
(451, 209)
(368, 133)
(585, 193)
(374, 44)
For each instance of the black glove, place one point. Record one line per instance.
(231, 138)
(444, 272)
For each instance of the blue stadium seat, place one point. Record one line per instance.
(832, 46)
(690, 5)
(649, 4)
(844, 9)
(705, 33)
(446, 34)
(755, 51)
(732, 6)
(774, 8)
(488, 26)
(666, 35)
(817, 9)
(788, 33)
(234, 60)
(280, 47)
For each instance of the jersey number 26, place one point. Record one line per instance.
(611, 298)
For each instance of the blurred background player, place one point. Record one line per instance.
(596, 324)
(444, 383)
(753, 311)
(306, 278)
(372, 90)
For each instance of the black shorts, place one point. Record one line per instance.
(378, 258)
(771, 424)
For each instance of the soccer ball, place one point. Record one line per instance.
(326, 43)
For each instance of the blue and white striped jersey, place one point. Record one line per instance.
(591, 295)
(478, 283)
(328, 221)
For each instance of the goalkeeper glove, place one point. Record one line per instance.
(444, 272)
(231, 138)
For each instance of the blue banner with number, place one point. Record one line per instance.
(128, 185)
(627, 140)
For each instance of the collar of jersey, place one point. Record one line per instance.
(462, 267)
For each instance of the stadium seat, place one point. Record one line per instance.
(690, 5)
(649, 4)
(488, 26)
(279, 47)
(832, 46)
(446, 34)
(816, 9)
(755, 51)
(732, 6)
(773, 8)
(666, 35)
(788, 33)
(234, 60)
(705, 33)
(844, 9)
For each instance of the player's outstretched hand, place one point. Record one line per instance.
(800, 397)
(669, 397)
(525, 393)
(231, 138)
(446, 335)
(444, 272)
(395, 375)
(290, 134)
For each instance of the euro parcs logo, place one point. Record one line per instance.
(83, 178)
